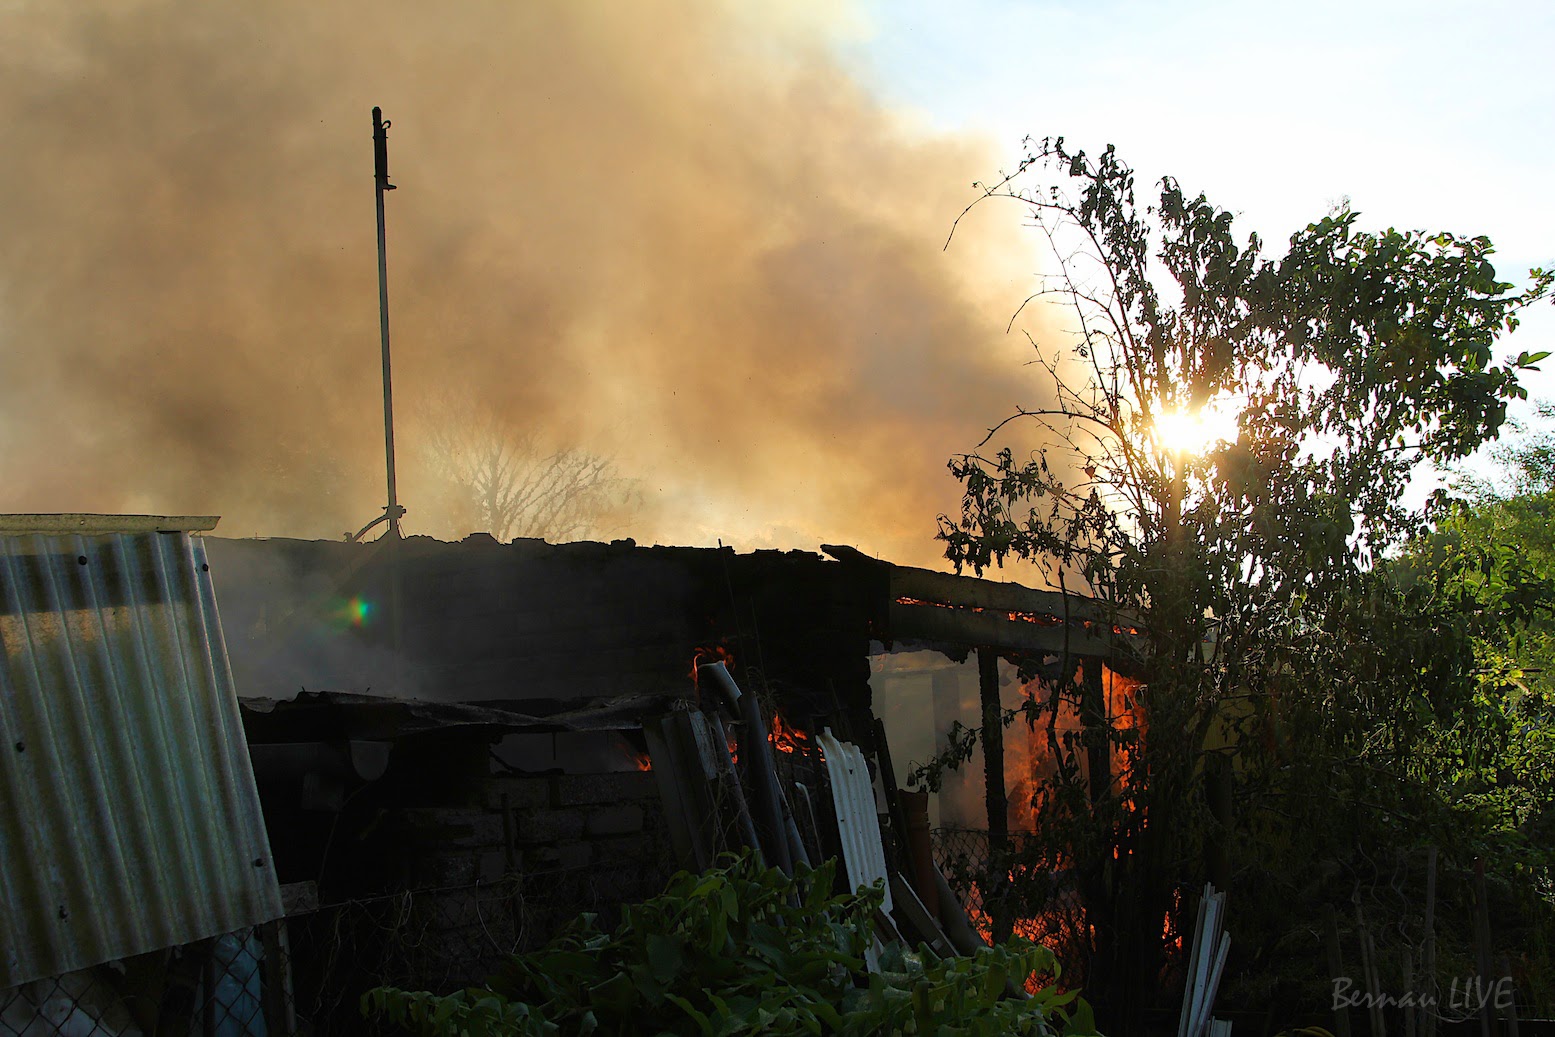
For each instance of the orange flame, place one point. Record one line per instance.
(1045, 619)
(1169, 934)
(785, 737)
(1039, 930)
(1029, 763)
(715, 654)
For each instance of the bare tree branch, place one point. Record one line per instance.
(494, 478)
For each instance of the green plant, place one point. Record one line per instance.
(1308, 715)
(746, 950)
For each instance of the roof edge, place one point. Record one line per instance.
(100, 525)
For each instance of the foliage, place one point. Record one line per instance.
(1303, 699)
(1492, 567)
(1490, 560)
(745, 950)
(1527, 462)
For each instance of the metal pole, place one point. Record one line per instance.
(393, 511)
(381, 178)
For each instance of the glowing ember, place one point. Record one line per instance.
(1040, 618)
(1169, 934)
(1045, 619)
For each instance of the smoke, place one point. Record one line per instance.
(671, 233)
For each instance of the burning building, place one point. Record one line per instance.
(456, 746)
(544, 631)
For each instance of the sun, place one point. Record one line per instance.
(1194, 431)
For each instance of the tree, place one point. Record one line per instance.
(1493, 555)
(1283, 667)
(492, 477)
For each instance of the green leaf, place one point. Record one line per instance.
(704, 1025)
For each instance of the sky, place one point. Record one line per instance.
(1425, 114)
(704, 238)
(1429, 115)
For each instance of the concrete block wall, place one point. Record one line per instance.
(510, 867)
(593, 840)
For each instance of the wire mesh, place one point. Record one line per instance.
(1035, 902)
(306, 974)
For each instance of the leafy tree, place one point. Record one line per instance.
(1493, 554)
(1487, 566)
(1526, 462)
(1499, 543)
(1291, 681)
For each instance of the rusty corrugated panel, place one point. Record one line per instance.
(129, 820)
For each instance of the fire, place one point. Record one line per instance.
(1042, 930)
(1040, 618)
(1045, 619)
(785, 737)
(1057, 918)
(1169, 934)
(715, 654)
(1028, 757)
(640, 759)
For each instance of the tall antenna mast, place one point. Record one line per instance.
(381, 183)
(392, 513)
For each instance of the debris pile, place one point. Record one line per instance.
(732, 779)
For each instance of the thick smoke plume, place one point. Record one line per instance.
(664, 232)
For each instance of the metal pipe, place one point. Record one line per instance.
(381, 184)
(728, 773)
(760, 769)
(392, 511)
(953, 918)
(728, 692)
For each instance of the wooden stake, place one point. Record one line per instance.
(1428, 983)
(996, 896)
(1379, 1026)
(1482, 944)
(1335, 967)
(1511, 1008)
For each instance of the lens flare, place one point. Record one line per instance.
(357, 612)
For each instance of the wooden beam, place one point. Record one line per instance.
(932, 622)
(972, 592)
(925, 605)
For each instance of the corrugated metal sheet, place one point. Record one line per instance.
(129, 820)
(858, 822)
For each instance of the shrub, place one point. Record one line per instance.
(746, 950)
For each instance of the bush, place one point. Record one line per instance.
(746, 950)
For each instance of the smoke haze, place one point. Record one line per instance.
(671, 233)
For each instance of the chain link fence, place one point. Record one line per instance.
(1036, 900)
(305, 974)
